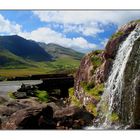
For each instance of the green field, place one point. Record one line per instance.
(62, 64)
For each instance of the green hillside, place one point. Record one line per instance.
(10, 61)
(58, 51)
(64, 60)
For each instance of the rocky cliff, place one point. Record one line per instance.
(96, 66)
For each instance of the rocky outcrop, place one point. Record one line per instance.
(31, 118)
(25, 91)
(32, 114)
(117, 38)
(89, 72)
(12, 106)
(72, 118)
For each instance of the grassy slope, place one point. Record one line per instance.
(13, 65)
(9, 60)
(60, 64)
(58, 51)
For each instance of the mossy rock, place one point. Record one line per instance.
(89, 86)
(96, 61)
(73, 99)
(93, 90)
(113, 117)
(92, 108)
(116, 35)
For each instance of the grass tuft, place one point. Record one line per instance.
(116, 35)
(10, 94)
(42, 95)
(73, 98)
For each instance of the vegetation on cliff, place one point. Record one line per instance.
(117, 34)
(73, 99)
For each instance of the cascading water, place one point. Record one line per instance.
(110, 107)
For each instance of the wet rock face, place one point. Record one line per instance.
(114, 42)
(131, 88)
(88, 72)
(84, 72)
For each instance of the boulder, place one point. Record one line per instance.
(24, 91)
(20, 95)
(30, 118)
(31, 114)
(72, 118)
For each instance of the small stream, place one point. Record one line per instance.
(12, 86)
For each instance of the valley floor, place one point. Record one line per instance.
(65, 64)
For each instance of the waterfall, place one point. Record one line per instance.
(110, 107)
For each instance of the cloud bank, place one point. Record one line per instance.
(8, 27)
(84, 23)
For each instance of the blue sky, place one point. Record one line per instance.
(80, 30)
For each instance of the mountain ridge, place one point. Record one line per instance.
(15, 55)
(26, 49)
(58, 51)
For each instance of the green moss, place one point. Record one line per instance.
(113, 117)
(83, 84)
(71, 92)
(89, 86)
(42, 95)
(97, 90)
(93, 90)
(104, 106)
(116, 35)
(10, 94)
(92, 108)
(96, 61)
(73, 98)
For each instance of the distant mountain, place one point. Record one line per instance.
(58, 51)
(23, 48)
(19, 53)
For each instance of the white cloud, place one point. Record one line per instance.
(79, 21)
(9, 27)
(83, 17)
(85, 29)
(48, 35)
(87, 22)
